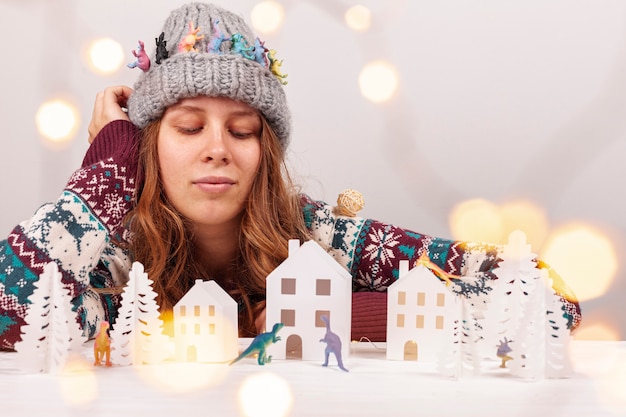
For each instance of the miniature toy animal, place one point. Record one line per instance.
(102, 346)
(259, 51)
(188, 43)
(216, 40)
(259, 346)
(275, 65)
(333, 345)
(161, 48)
(503, 352)
(143, 61)
(240, 46)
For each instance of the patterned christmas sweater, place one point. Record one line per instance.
(80, 230)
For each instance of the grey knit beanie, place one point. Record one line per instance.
(205, 71)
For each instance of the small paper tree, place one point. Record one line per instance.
(449, 359)
(137, 335)
(558, 338)
(51, 330)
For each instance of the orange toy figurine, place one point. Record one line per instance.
(102, 345)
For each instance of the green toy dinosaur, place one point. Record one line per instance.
(259, 345)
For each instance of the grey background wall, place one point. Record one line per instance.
(497, 100)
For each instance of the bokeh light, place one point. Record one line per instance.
(267, 16)
(265, 395)
(105, 56)
(584, 257)
(378, 81)
(477, 220)
(57, 120)
(183, 377)
(77, 382)
(596, 331)
(358, 18)
(527, 217)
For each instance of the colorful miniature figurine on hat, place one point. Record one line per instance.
(143, 61)
(275, 65)
(161, 48)
(188, 43)
(259, 51)
(102, 345)
(333, 345)
(240, 46)
(259, 346)
(217, 38)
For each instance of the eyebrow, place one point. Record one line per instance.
(195, 109)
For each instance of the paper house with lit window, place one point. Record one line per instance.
(205, 324)
(307, 285)
(421, 311)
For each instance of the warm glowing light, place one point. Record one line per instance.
(77, 382)
(57, 120)
(267, 16)
(265, 395)
(596, 331)
(358, 18)
(378, 81)
(105, 56)
(183, 377)
(584, 257)
(527, 217)
(477, 220)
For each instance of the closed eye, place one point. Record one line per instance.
(189, 130)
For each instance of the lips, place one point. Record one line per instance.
(214, 184)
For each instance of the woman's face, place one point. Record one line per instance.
(209, 152)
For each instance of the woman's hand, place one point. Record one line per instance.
(110, 105)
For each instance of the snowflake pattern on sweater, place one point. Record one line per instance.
(76, 232)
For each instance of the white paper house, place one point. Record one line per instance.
(304, 287)
(421, 311)
(205, 324)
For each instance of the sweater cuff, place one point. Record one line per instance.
(117, 139)
(369, 316)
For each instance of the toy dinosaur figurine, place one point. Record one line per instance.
(188, 43)
(503, 352)
(240, 46)
(216, 40)
(333, 345)
(275, 66)
(142, 62)
(425, 260)
(259, 51)
(161, 48)
(102, 345)
(259, 345)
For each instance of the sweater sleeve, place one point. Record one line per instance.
(371, 251)
(73, 231)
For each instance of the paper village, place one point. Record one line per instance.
(520, 323)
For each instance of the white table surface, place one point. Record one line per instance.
(373, 387)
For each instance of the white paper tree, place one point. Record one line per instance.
(449, 359)
(558, 338)
(137, 336)
(470, 358)
(51, 331)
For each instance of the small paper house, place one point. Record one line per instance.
(421, 312)
(205, 324)
(307, 285)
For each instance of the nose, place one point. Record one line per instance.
(215, 146)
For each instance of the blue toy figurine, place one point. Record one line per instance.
(503, 352)
(259, 346)
(333, 345)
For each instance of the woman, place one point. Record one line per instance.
(191, 181)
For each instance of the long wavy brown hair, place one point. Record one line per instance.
(162, 241)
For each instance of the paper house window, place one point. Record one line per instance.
(211, 328)
(196, 311)
(288, 286)
(196, 328)
(401, 298)
(318, 317)
(288, 317)
(421, 299)
(211, 310)
(183, 328)
(441, 299)
(439, 322)
(322, 287)
(419, 321)
(183, 310)
(400, 320)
